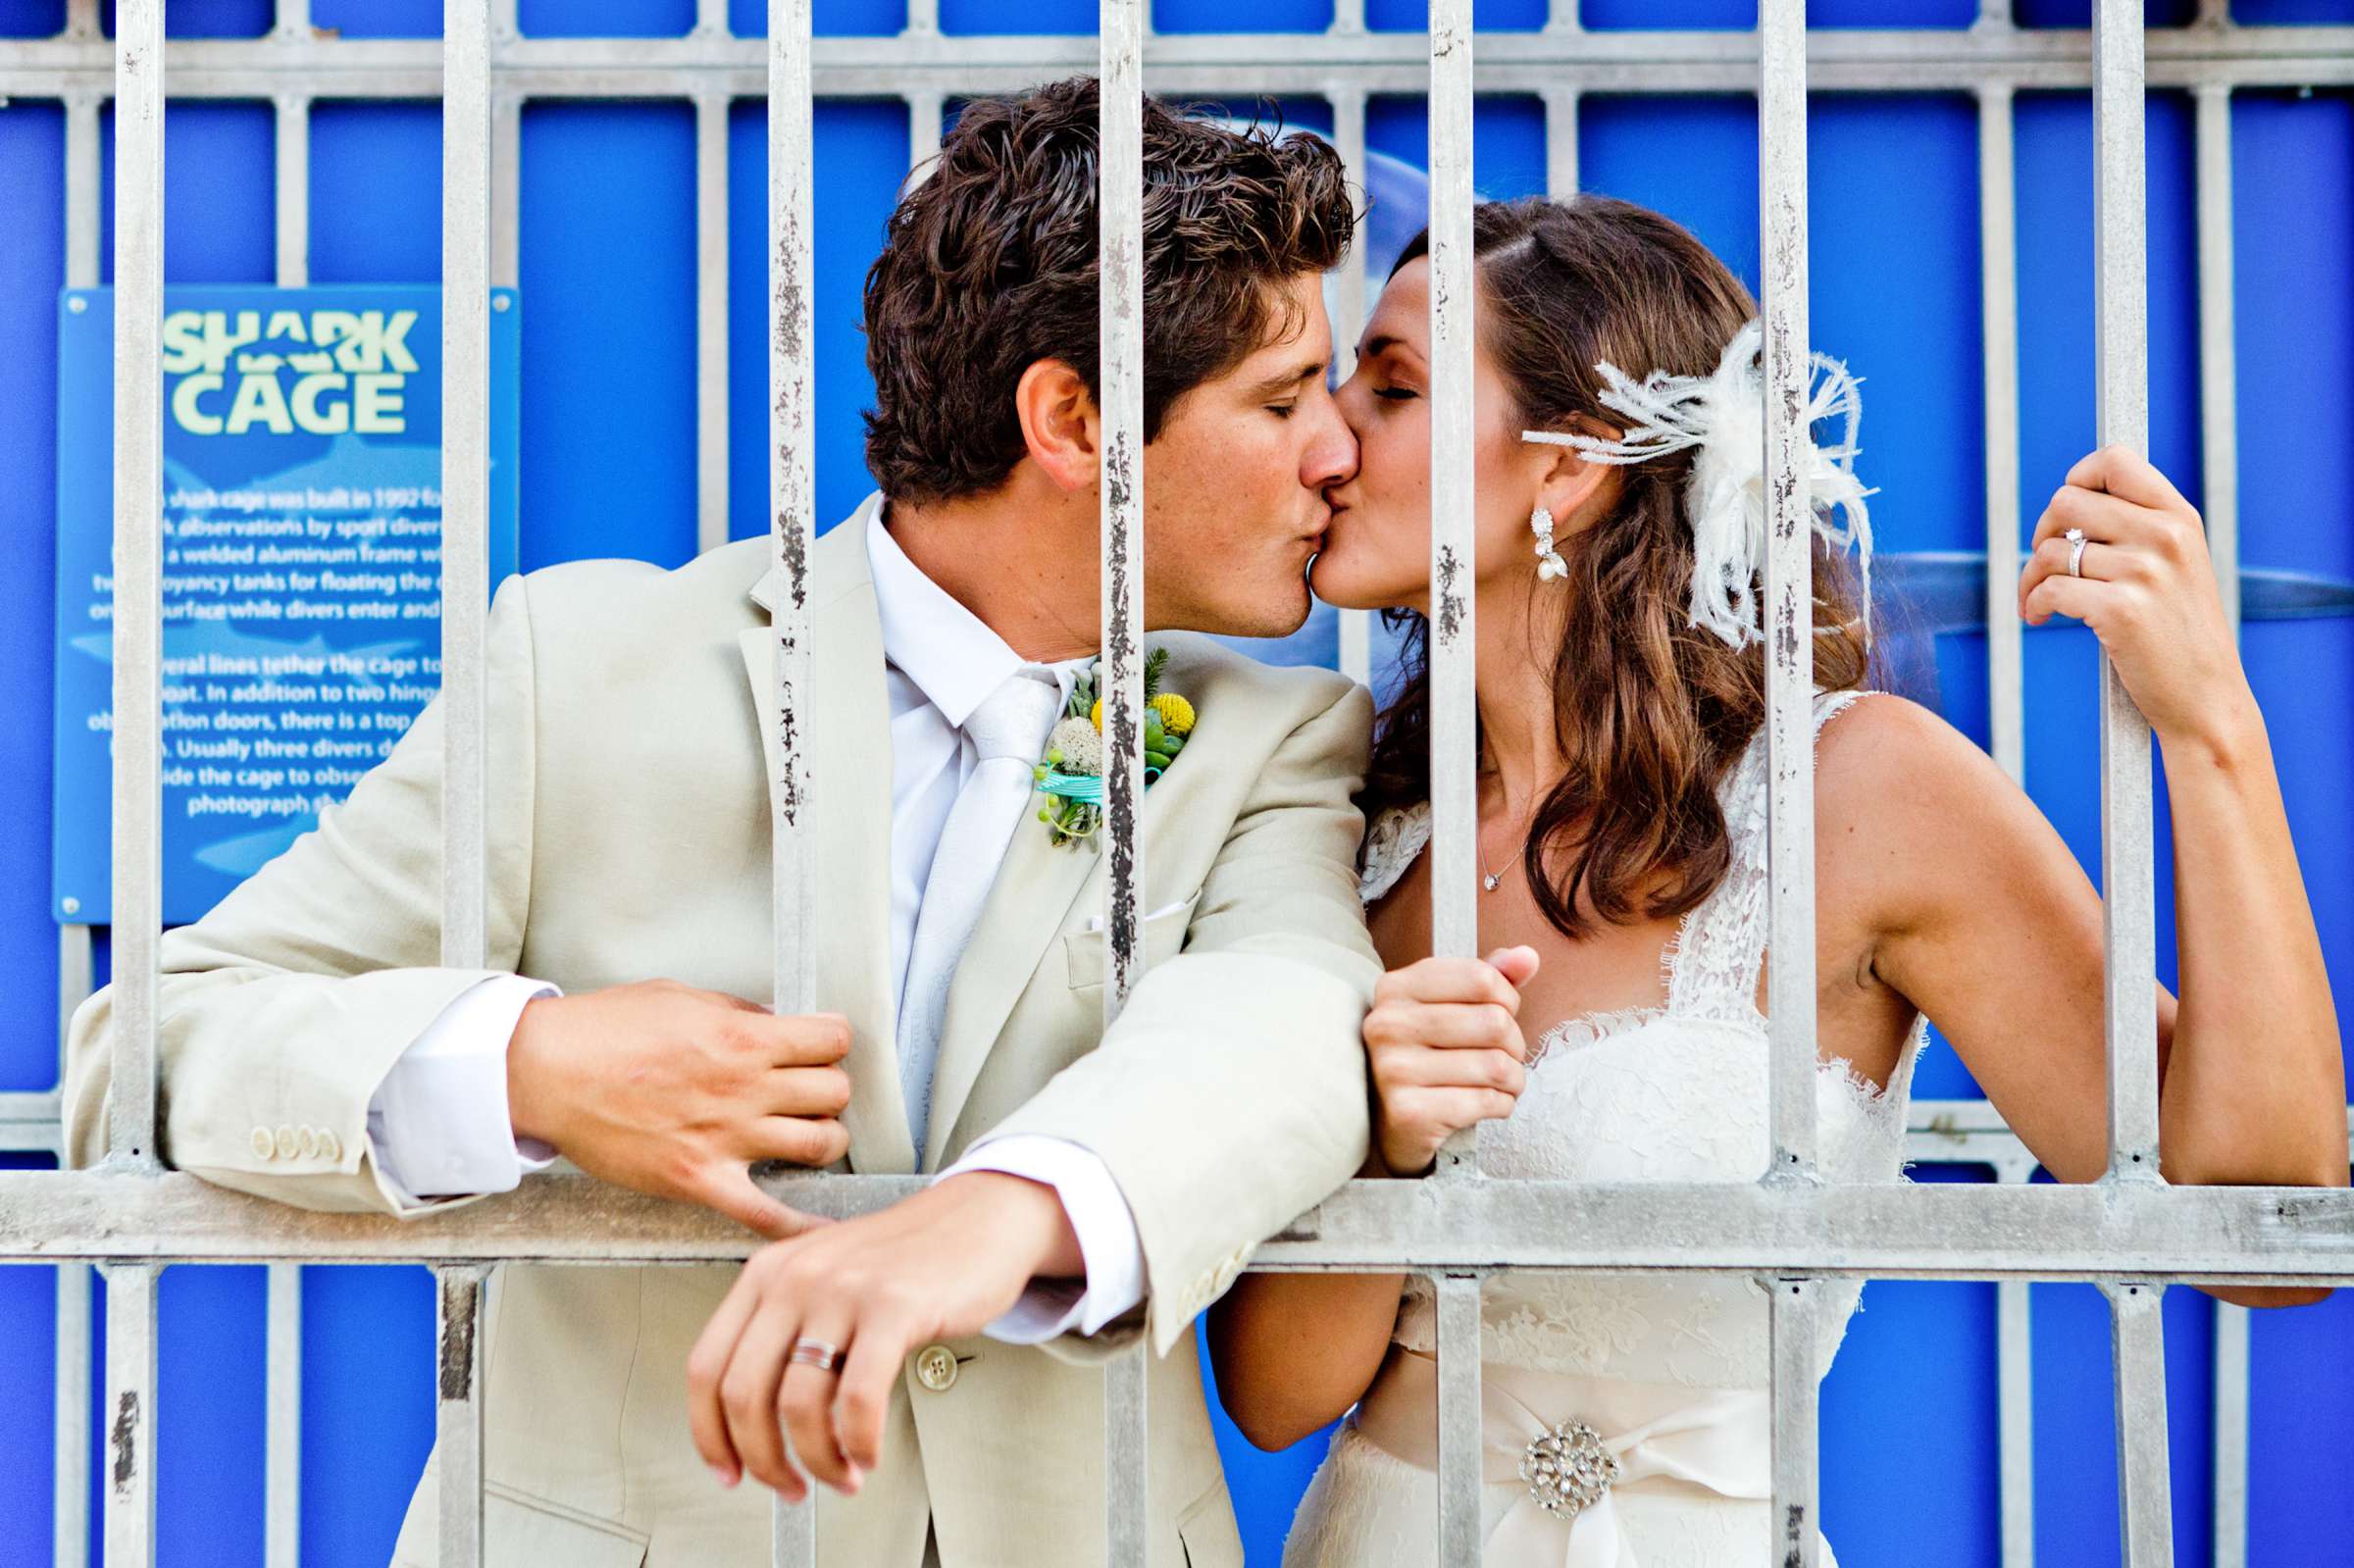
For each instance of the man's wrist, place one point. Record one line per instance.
(1035, 1226)
(526, 1112)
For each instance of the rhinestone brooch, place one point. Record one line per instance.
(1567, 1469)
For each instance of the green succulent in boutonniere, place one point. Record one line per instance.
(1071, 777)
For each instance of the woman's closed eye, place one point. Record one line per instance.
(1396, 394)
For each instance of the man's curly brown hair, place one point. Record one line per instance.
(989, 266)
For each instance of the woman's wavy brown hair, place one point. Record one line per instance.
(1650, 711)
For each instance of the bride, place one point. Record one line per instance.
(1617, 1033)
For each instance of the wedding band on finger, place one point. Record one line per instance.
(815, 1354)
(2075, 551)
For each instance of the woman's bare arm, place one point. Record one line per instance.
(1982, 919)
(1294, 1352)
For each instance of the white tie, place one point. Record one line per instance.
(1008, 732)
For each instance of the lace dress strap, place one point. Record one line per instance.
(1714, 965)
(1395, 837)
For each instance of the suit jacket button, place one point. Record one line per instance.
(331, 1147)
(265, 1148)
(288, 1145)
(308, 1140)
(936, 1368)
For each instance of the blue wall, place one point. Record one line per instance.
(608, 409)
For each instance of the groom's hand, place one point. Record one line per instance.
(947, 1262)
(677, 1091)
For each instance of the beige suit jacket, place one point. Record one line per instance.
(628, 839)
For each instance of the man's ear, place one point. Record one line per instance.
(1060, 424)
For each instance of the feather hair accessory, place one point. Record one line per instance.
(1723, 415)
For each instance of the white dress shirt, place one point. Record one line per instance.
(439, 1121)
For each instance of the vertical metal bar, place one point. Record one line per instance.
(1453, 640)
(458, 1414)
(1120, 219)
(130, 1404)
(710, 19)
(1461, 1433)
(2232, 1368)
(925, 112)
(1998, 242)
(1789, 584)
(282, 1427)
(1348, 18)
(923, 19)
(83, 216)
(293, 123)
(1795, 1307)
(711, 318)
(138, 619)
(1560, 143)
(281, 1480)
(506, 190)
(70, 1399)
(291, 20)
(792, 534)
(2121, 308)
(465, 473)
(2145, 1511)
(2219, 424)
(2015, 1405)
(2219, 361)
(69, 1481)
(1348, 291)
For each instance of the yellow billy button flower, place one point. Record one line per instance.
(1176, 714)
(1096, 716)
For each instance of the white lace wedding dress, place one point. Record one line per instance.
(1673, 1094)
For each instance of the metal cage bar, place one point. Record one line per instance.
(465, 479)
(138, 559)
(1794, 1317)
(1789, 607)
(1453, 640)
(2128, 898)
(1120, 305)
(130, 1327)
(793, 536)
(458, 1294)
(1460, 1437)
(1998, 253)
(1349, 297)
(2145, 1508)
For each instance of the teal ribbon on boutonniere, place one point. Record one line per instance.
(1071, 775)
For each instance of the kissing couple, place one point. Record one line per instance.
(934, 1370)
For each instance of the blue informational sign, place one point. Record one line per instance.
(302, 551)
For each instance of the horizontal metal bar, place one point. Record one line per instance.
(1838, 59)
(1899, 1230)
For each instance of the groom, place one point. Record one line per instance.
(1096, 1185)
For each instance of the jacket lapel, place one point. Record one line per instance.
(1027, 907)
(849, 822)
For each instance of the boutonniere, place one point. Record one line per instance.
(1071, 777)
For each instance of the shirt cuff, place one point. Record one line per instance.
(1109, 1249)
(439, 1121)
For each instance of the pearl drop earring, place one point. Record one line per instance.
(1549, 566)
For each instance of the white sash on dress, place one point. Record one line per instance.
(1662, 1435)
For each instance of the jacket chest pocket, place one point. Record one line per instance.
(1086, 954)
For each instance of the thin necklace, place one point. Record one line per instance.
(1488, 880)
